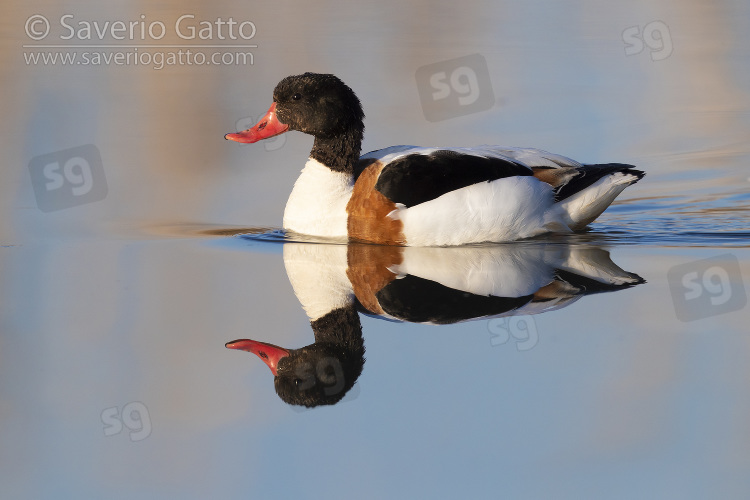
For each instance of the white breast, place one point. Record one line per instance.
(317, 205)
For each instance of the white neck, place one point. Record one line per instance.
(317, 205)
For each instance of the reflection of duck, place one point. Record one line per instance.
(406, 195)
(425, 285)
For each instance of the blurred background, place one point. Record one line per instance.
(554, 69)
(110, 298)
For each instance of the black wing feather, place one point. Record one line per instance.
(440, 304)
(589, 174)
(417, 178)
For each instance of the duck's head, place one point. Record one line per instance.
(317, 104)
(318, 374)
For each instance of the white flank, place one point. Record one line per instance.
(583, 207)
(317, 204)
(318, 275)
(502, 210)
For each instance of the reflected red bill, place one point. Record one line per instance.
(269, 353)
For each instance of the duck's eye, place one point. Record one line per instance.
(297, 97)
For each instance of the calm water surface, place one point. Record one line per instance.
(617, 364)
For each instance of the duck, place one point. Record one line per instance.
(424, 196)
(335, 284)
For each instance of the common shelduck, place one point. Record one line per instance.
(419, 285)
(417, 196)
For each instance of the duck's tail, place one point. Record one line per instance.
(584, 192)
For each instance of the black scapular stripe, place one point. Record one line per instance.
(589, 174)
(419, 300)
(417, 178)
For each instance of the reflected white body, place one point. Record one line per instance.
(318, 272)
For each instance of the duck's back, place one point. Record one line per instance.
(452, 196)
